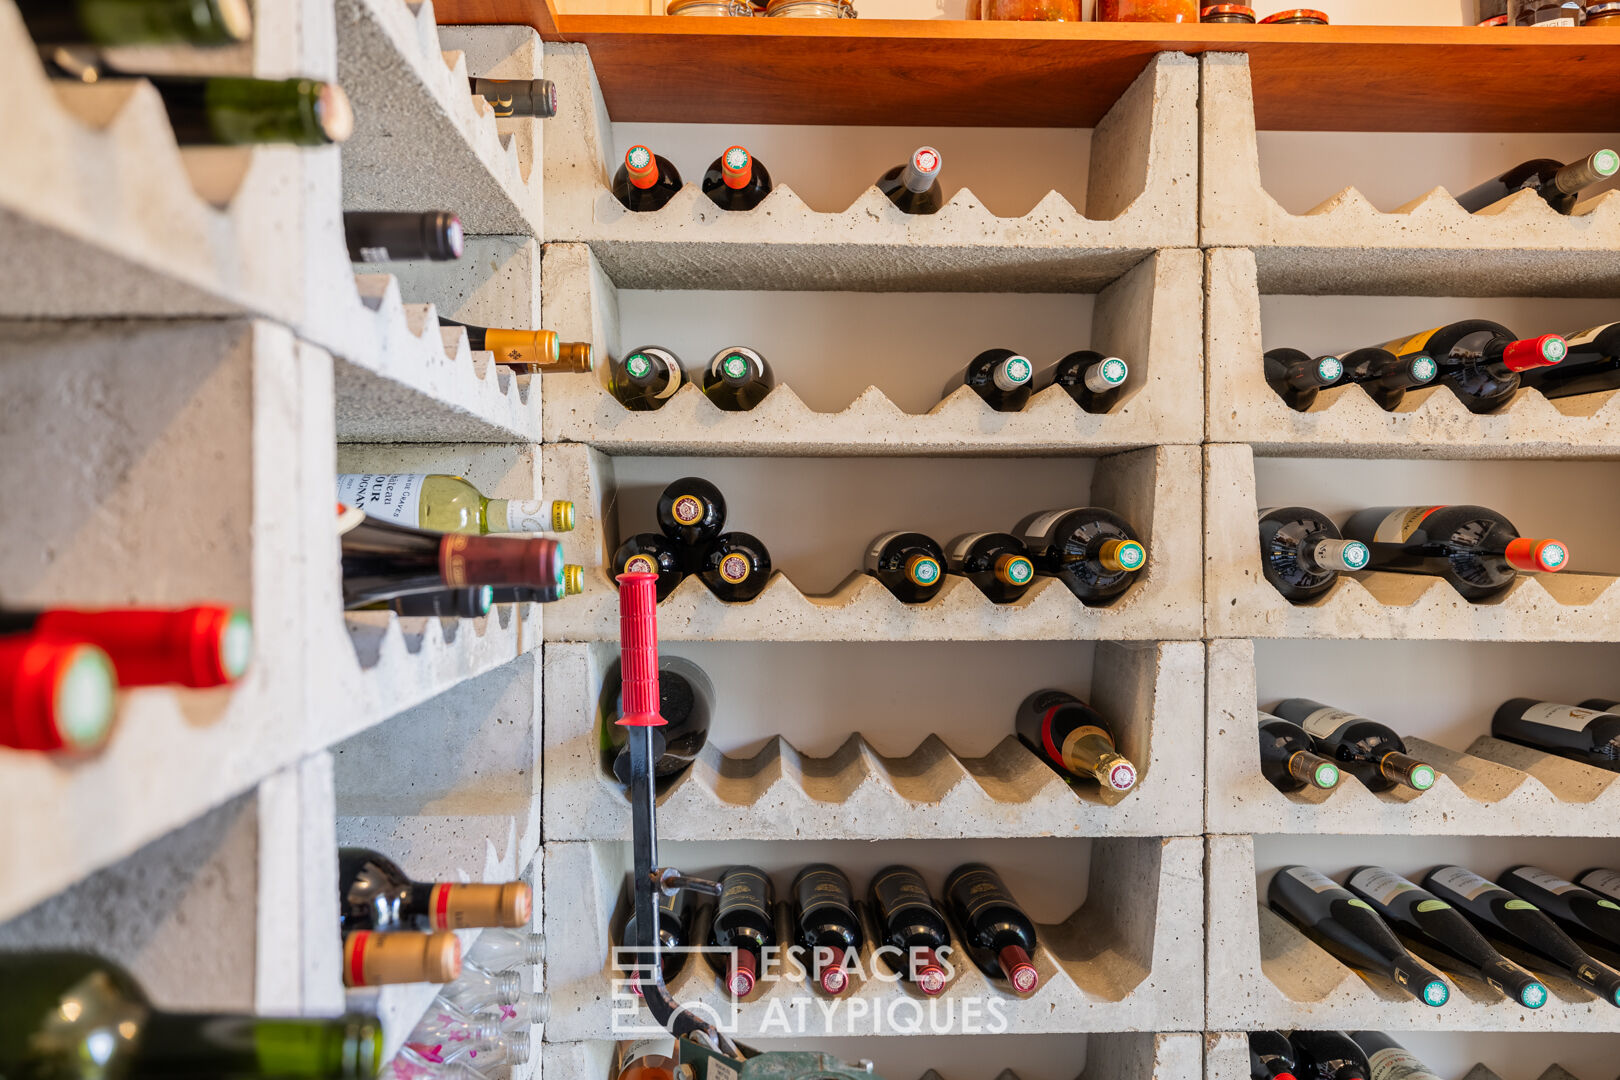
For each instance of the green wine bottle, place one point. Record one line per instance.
(231, 111)
(137, 22)
(448, 504)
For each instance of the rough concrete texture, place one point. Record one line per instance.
(422, 140)
(1344, 421)
(1130, 959)
(508, 52)
(496, 282)
(1492, 788)
(1153, 694)
(1264, 973)
(1226, 1057)
(1429, 247)
(1569, 606)
(1149, 316)
(1155, 489)
(1141, 196)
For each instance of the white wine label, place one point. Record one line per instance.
(394, 497)
(676, 379)
(959, 547)
(527, 515)
(1551, 882)
(875, 552)
(1040, 525)
(1314, 880)
(1399, 526)
(1382, 885)
(1605, 882)
(1324, 722)
(1587, 336)
(1465, 882)
(1567, 717)
(1396, 1063)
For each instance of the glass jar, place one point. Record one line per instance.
(1297, 17)
(1181, 11)
(1547, 12)
(1605, 14)
(810, 9)
(1227, 13)
(1029, 10)
(721, 8)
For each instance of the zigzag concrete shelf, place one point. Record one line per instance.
(1431, 246)
(1154, 696)
(1150, 314)
(1127, 960)
(1430, 421)
(1140, 199)
(1264, 973)
(1226, 1057)
(1493, 788)
(1570, 606)
(1146, 486)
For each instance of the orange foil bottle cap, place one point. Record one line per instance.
(641, 166)
(1547, 556)
(736, 167)
(54, 694)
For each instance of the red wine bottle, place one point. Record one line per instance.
(736, 180)
(471, 603)
(1351, 931)
(685, 701)
(527, 98)
(1329, 1055)
(914, 186)
(1371, 752)
(1481, 360)
(1591, 366)
(1519, 930)
(911, 923)
(736, 567)
(1093, 380)
(382, 560)
(674, 934)
(1074, 739)
(203, 646)
(826, 924)
(382, 236)
(651, 553)
(996, 562)
(910, 565)
(692, 512)
(54, 694)
(1288, 758)
(1593, 921)
(737, 379)
(1003, 378)
(1271, 1056)
(1558, 184)
(999, 937)
(1388, 1059)
(1093, 551)
(1298, 377)
(1302, 553)
(1386, 377)
(645, 379)
(1442, 935)
(646, 181)
(1477, 550)
(1590, 736)
(744, 924)
(375, 894)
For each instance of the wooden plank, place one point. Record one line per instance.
(540, 14)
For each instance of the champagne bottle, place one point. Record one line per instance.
(685, 701)
(674, 934)
(470, 603)
(225, 110)
(507, 949)
(999, 937)
(1591, 920)
(1440, 934)
(1298, 377)
(526, 98)
(1003, 378)
(650, 553)
(375, 894)
(1475, 549)
(1093, 551)
(1302, 553)
(378, 958)
(528, 351)
(203, 646)
(911, 924)
(914, 186)
(1271, 1056)
(1386, 377)
(111, 23)
(1093, 380)
(1481, 360)
(692, 512)
(1349, 929)
(1373, 753)
(743, 923)
(1074, 739)
(910, 565)
(388, 236)
(1329, 1055)
(1519, 930)
(645, 379)
(1287, 759)
(737, 379)
(70, 1015)
(448, 504)
(54, 694)
(736, 567)
(1591, 366)
(646, 181)
(996, 562)
(1388, 1059)
(826, 924)
(382, 560)
(736, 180)
(1590, 736)
(1558, 184)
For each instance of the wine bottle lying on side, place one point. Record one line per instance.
(1476, 550)
(1302, 553)
(1558, 184)
(382, 561)
(1373, 753)
(1481, 360)
(527, 98)
(1590, 736)
(1090, 549)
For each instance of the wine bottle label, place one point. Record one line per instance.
(1314, 880)
(979, 889)
(526, 515)
(961, 546)
(1382, 885)
(745, 889)
(1586, 337)
(1465, 882)
(823, 888)
(715, 1069)
(1415, 343)
(1324, 722)
(1551, 882)
(1396, 1063)
(1399, 526)
(875, 551)
(1606, 882)
(1042, 524)
(900, 889)
(392, 497)
(1564, 717)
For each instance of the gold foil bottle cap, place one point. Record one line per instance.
(562, 515)
(574, 579)
(371, 958)
(575, 356)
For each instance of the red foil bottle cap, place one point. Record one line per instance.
(54, 694)
(201, 646)
(638, 649)
(1543, 351)
(834, 979)
(736, 167)
(1547, 556)
(741, 976)
(930, 975)
(1019, 969)
(641, 165)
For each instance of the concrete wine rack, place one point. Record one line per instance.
(1226, 1057)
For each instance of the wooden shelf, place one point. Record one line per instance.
(969, 74)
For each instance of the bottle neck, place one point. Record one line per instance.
(181, 1044)
(1089, 751)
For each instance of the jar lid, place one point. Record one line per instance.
(845, 8)
(683, 7)
(1298, 15)
(1226, 9)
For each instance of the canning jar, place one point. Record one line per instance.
(1227, 13)
(1604, 14)
(722, 8)
(1547, 12)
(1297, 17)
(1182, 11)
(810, 9)
(1030, 10)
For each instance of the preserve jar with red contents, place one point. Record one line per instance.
(1027, 10)
(1297, 17)
(1227, 13)
(1175, 11)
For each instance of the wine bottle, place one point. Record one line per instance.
(737, 379)
(692, 512)
(378, 958)
(387, 236)
(1558, 184)
(1351, 931)
(1093, 380)
(1288, 760)
(73, 1015)
(910, 565)
(382, 560)
(736, 567)
(573, 584)
(1593, 921)
(685, 701)
(646, 379)
(1003, 378)
(54, 695)
(528, 351)
(650, 553)
(448, 504)
(1371, 752)
(526, 98)
(375, 894)
(203, 646)
(1386, 377)
(1442, 935)
(507, 949)
(1481, 360)
(1475, 549)
(1589, 736)
(914, 186)
(910, 923)
(225, 110)
(744, 924)
(1329, 1055)
(826, 925)
(1298, 377)
(998, 936)
(1302, 553)
(1074, 739)
(996, 562)
(1606, 883)
(673, 916)
(1271, 1056)
(476, 990)
(1093, 551)
(1388, 1059)
(471, 603)
(111, 23)
(1519, 930)
(736, 180)
(646, 181)
(1591, 366)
